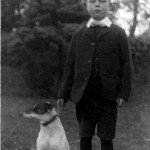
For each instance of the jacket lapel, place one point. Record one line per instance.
(103, 32)
(88, 34)
(89, 40)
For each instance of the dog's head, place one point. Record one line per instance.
(42, 111)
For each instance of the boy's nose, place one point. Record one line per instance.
(97, 3)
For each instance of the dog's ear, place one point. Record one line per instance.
(48, 106)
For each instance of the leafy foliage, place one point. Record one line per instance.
(12, 49)
(36, 34)
(10, 15)
(45, 51)
(140, 48)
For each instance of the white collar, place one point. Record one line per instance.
(105, 21)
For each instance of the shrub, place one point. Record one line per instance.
(140, 48)
(41, 51)
(44, 55)
(12, 48)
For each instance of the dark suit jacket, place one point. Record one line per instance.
(115, 64)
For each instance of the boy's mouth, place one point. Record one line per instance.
(97, 11)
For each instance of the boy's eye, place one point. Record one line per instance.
(101, 1)
(91, 1)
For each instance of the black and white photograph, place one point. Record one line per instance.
(75, 74)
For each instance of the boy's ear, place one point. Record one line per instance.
(83, 2)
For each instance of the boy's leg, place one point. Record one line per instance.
(87, 124)
(86, 143)
(106, 144)
(87, 116)
(107, 125)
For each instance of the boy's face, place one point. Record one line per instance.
(98, 9)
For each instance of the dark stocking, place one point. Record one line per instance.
(86, 143)
(106, 144)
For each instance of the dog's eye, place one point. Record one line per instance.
(35, 107)
(47, 107)
(39, 109)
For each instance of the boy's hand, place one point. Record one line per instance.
(61, 103)
(120, 101)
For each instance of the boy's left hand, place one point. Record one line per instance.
(120, 101)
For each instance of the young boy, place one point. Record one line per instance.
(97, 75)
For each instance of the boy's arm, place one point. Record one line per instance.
(68, 75)
(126, 67)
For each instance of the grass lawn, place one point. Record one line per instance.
(18, 133)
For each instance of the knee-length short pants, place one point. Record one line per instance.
(93, 113)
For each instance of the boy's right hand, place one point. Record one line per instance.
(61, 103)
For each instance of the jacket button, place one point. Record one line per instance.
(89, 61)
(92, 43)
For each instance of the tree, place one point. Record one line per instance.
(10, 14)
(38, 41)
(140, 12)
(40, 30)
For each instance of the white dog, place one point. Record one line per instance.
(52, 135)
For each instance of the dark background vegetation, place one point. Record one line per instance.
(34, 42)
(36, 34)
